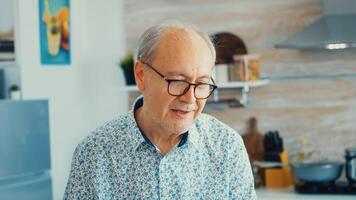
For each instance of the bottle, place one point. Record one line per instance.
(350, 156)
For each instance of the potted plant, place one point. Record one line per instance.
(127, 65)
(14, 92)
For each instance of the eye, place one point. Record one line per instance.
(179, 83)
(203, 82)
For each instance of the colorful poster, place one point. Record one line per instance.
(54, 32)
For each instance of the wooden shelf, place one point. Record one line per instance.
(243, 84)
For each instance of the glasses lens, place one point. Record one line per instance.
(203, 91)
(177, 87)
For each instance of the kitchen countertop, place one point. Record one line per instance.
(289, 194)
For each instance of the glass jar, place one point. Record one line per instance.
(247, 67)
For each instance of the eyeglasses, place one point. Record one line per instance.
(180, 87)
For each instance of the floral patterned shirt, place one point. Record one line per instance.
(117, 162)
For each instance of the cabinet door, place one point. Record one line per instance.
(24, 137)
(32, 187)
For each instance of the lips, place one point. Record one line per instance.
(181, 113)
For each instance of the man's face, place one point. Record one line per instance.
(181, 55)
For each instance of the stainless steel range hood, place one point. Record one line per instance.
(336, 29)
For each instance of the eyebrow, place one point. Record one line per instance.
(180, 74)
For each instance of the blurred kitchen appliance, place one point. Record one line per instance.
(334, 30)
(2, 84)
(350, 156)
(25, 169)
(324, 171)
(325, 188)
(7, 46)
(321, 178)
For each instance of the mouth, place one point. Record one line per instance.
(181, 113)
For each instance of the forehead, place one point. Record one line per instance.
(183, 51)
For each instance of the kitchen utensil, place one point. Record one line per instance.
(227, 45)
(248, 67)
(253, 141)
(273, 144)
(324, 172)
(350, 156)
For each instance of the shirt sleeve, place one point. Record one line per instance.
(79, 186)
(241, 178)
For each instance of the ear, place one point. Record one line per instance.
(139, 75)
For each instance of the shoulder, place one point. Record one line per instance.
(108, 135)
(214, 127)
(214, 131)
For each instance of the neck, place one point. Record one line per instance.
(161, 138)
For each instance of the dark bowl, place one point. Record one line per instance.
(317, 171)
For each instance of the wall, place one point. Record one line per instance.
(81, 96)
(311, 95)
(6, 15)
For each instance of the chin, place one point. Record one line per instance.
(178, 124)
(181, 128)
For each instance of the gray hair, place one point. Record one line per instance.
(150, 38)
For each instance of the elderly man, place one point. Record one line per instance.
(164, 148)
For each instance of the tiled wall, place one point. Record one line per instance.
(311, 94)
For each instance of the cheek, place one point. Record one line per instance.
(158, 100)
(200, 104)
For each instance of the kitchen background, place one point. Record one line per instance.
(311, 94)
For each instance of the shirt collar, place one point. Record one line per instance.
(194, 137)
(137, 138)
(135, 135)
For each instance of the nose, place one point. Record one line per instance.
(188, 96)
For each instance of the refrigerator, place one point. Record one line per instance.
(25, 168)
